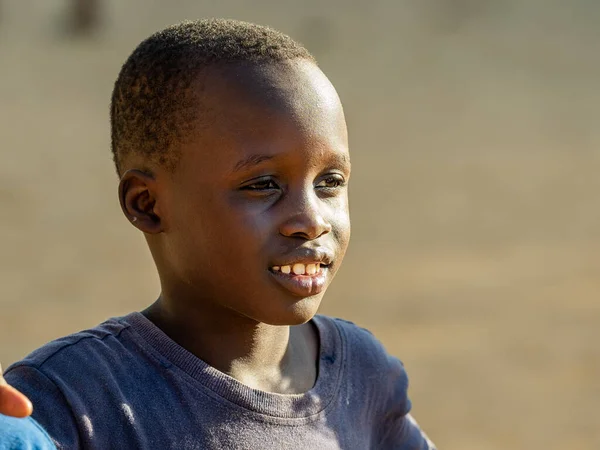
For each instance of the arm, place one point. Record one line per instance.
(400, 429)
(403, 433)
(388, 403)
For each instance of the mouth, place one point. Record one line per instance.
(303, 279)
(300, 269)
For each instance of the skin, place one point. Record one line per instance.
(12, 402)
(264, 183)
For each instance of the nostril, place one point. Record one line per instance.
(305, 226)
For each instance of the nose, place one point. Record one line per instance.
(306, 219)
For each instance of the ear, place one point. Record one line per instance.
(137, 194)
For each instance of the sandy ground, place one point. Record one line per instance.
(475, 142)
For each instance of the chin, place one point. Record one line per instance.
(297, 313)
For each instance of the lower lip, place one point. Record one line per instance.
(302, 285)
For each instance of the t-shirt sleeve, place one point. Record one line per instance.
(23, 434)
(50, 409)
(386, 380)
(400, 430)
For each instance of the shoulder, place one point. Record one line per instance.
(84, 344)
(74, 364)
(369, 363)
(18, 434)
(383, 379)
(64, 377)
(361, 344)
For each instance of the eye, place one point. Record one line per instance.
(264, 184)
(331, 182)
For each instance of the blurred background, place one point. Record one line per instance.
(475, 196)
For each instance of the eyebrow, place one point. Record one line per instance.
(250, 161)
(254, 160)
(343, 159)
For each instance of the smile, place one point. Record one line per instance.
(299, 269)
(300, 279)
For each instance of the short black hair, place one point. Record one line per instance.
(152, 106)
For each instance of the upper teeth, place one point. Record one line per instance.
(299, 268)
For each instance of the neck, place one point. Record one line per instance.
(268, 357)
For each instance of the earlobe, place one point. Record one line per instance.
(138, 196)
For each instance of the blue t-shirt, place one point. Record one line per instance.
(125, 384)
(23, 434)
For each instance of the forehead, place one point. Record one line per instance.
(250, 110)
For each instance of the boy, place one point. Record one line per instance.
(231, 148)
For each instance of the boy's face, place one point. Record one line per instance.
(260, 190)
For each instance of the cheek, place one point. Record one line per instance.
(340, 223)
(233, 235)
(342, 235)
